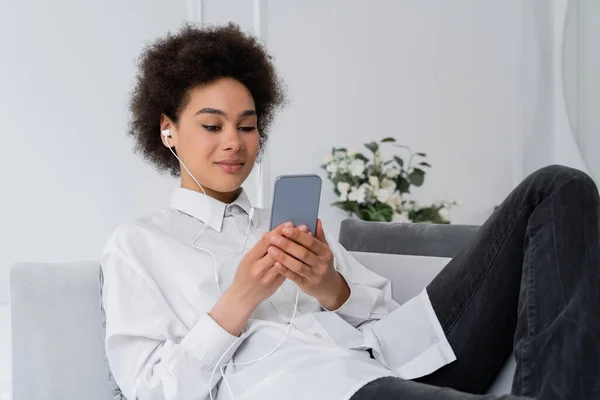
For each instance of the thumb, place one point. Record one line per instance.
(320, 234)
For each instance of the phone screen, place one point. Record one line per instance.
(296, 198)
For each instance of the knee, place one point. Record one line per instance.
(558, 175)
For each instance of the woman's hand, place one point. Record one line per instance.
(308, 261)
(256, 278)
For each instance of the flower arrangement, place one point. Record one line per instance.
(374, 189)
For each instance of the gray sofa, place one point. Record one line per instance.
(57, 347)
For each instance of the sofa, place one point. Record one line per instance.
(57, 343)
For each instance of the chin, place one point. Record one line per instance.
(229, 183)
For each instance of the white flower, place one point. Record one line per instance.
(343, 167)
(383, 195)
(351, 153)
(328, 158)
(403, 217)
(444, 213)
(357, 168)
(357, 194)
(388, 184)
(392, 173)
(332, 169)
(395, 200)
(343, 187)
(374, 181)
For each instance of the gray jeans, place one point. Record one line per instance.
(529, 281)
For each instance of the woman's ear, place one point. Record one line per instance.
(167, 131)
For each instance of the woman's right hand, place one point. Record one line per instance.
(255, 280)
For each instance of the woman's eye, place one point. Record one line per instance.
(247, 128)
(212, 128)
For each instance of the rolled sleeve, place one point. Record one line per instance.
(413, 352)
(359, 305)
(208, 341)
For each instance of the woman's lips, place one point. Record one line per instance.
(230, 168)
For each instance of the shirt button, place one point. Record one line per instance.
(318, 335)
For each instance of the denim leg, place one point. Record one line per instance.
(530, 280)
(392, 388)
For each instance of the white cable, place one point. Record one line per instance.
(261, 358)
(217, 265)
(186, 168)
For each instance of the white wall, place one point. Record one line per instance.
(586, 116)
(67, 169)
(560, 84)
(439, 76)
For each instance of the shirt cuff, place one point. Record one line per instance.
(207, 341)
(411, 351)
(357, 308)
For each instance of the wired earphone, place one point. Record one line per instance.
(166, 133)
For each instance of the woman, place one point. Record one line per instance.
(200, 298)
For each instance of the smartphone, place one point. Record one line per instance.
(296, 199)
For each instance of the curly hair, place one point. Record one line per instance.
(173, 65)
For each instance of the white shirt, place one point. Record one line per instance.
(162, 344)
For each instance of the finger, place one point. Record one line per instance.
(295, 250)
(291, 263)
(289, 274)
(304, 228)
(306, 240)
(274, 276)
(279, 227)
(260, 249)
(265, 263)
(320, 233)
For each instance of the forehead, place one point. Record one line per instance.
(224, 94)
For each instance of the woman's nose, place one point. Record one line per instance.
(233, 140)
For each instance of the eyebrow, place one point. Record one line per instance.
(216, 111)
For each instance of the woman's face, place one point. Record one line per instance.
(216, 137)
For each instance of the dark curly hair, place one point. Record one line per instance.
(173, 65)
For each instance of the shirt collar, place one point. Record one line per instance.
(207, 209)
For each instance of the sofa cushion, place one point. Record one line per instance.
(57, 345)
(402, 238)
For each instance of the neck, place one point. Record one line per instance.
(224, 197)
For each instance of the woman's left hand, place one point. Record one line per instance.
(308, 261)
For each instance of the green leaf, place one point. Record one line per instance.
(417, 177)
(421, 154)
(340, 149)
(402, 184)
(372, 146)
(399, 161)
(388, 140)
(359, 156)
(423, 163)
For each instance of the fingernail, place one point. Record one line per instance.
(287, 231)
(303, 228)
(273, 251)
(275, 239)
(288, 224)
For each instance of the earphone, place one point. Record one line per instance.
(167, 134)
